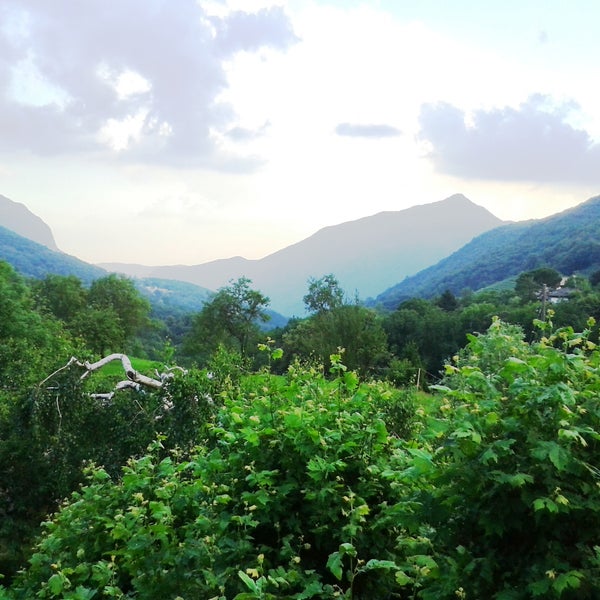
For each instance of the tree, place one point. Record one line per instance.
(323, 294)
(595, 278)
(336, 324)
(434, 332)
(230, 318)
(119, 294)
(101, 328)
(447, 301)
(529, 283)
(64, 296)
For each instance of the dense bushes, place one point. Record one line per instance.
(306, 487)
(286, 498)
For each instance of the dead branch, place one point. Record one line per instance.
(135, 380)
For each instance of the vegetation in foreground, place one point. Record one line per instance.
(292, 474)
(307, 487)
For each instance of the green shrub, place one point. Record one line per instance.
(288, 498)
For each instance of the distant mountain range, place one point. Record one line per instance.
(452, 244)
(367, 256)
(568, 242)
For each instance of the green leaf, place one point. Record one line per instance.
(250, 583)
(348, 548)
(545, 504)
(564, 581)
(489, 456)
(540, 588)
(558, 456)
(379, 564)
(56, 584)
(402, 578)
(351, 380)
(334, 564)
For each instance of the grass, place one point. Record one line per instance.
(144, 366)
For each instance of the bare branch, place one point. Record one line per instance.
(135, 380)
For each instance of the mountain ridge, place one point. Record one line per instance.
(366, 255)
(567, 241)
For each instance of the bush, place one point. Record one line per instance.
(286, 499)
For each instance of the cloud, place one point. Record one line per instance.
(533, 142)
(367, 130)
(250, 31)
(243, 134)
(139, 79)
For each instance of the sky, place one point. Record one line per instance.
(183, 131)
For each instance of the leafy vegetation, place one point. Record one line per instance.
(305, 464)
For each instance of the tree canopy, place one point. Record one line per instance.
(231, 318)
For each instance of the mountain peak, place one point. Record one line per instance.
(19, 219)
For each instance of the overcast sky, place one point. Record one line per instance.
(182, 131)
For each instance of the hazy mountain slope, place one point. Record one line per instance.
(18, 218)
(32, 259)
(366, 255)
(568, 241)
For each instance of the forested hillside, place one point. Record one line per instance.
(35, 260)
(567, 242)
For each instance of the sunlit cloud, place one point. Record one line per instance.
(533, 142)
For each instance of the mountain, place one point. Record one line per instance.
(18, 218)
(35, 260)
(366, 255)
(568, 242)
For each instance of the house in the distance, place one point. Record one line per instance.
(560, 294)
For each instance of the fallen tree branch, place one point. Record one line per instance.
(130, 372)
(135, 380)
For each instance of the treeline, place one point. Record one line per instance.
(401, 345)
(407, 344)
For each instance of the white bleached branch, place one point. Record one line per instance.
(135, 380)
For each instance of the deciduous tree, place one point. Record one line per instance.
(230, 318)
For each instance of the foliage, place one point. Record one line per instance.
(117, 295)
(423, 333)
(323, 294)
(108, 316)
(49, 434)
(447, 301)
(230, 318)
(513, 506)
(62, 295)
(31, 259)
(355, 328)
(285, 499)
(529, 283)
(309, 487)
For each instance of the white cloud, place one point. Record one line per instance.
(212, 128)
(367, 130)
(533, 142)
(90, 72)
